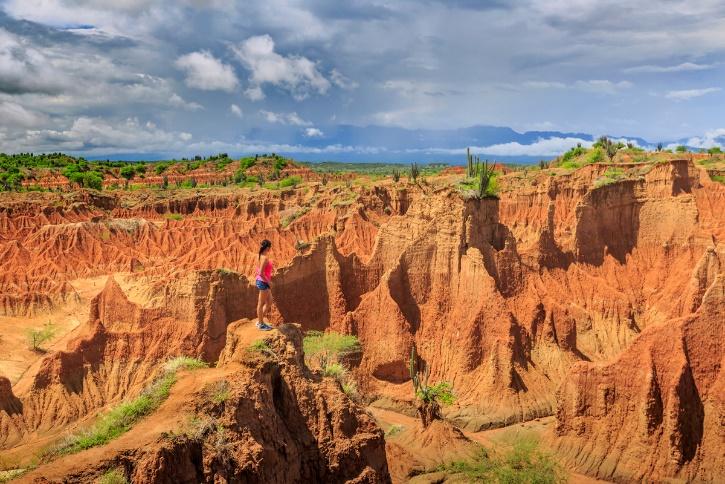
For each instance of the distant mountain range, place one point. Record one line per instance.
(393, 144)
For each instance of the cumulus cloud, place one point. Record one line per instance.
(314, 133)
(542, 147)
(684, 67)
(236, 110)
(712, 138)
(206, 72)
(95, 136)
(687, 94)
(284, 118)
(296, 74)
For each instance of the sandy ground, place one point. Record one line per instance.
(16, 357)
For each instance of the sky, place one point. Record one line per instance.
(362, 80)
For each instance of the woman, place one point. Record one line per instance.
(264, 279)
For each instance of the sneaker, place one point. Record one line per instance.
(263, 326)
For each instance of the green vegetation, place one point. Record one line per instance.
(380, 169)
(715, 150)
(612, 175)
(175, 216)
(394, 430)
(327, 349)
(524, 463)
(120, 419)
(290, 181)
(292, 217)
(414, 172)
(220, 392)
(575, 152)
(37, 336)
(113, 476)
(681, 149)
(718, 178)
(260, 346)
(430, 396)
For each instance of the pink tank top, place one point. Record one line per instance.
(267, 272)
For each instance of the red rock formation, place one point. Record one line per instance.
(656, 411)
(279, 424)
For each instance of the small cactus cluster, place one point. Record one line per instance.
(396, 175)
(474, 165)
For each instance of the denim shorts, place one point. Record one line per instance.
(262, 286)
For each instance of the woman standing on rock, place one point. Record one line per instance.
(264, 279)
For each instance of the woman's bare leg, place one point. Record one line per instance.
(268, 303)
(260, 307)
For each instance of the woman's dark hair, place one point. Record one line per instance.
(266, 244)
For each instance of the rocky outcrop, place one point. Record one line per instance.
(656, 411)
(277, 424)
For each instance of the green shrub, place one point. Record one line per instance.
(128, 172)
(260, 346)
(575, 152)
(37, 336)
(681, 149)
(220, 392)
(596, 155)
(524, 463)
(394, 430)
(290, 181)
(175, 216)
(327, 347)
(114, 476)
(718, 178)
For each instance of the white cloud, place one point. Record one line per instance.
(542, 147)
(545, 84)
(687, 94)
(97, 135)
(685, 66)
(602, 86)
(295, 74)
(284, 118)
(715, 137)
(314, 133)
(236, 110)
(342, 81)
(254, 93)
(206, 72)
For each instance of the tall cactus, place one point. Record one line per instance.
(484, 178)
(469, 163)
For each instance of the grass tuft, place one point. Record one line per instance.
(120, 419)
(524, 463)
(114, 476)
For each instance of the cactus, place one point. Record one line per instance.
(469, 165)
(484, 178)
(414, 172)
